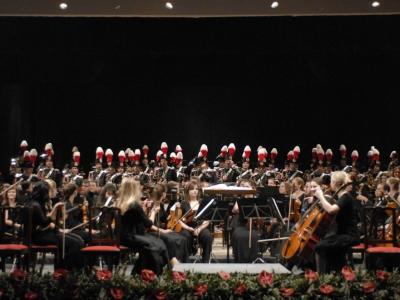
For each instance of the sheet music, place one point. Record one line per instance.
(223, 186)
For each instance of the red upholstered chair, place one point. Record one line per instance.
(14, 225)
(381, 238)
(104, 236)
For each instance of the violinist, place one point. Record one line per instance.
(74, 212)
(241, 233)
(331, 250)
(190, 229)
(44, 231)
(135, 224)
(297, 197)
(176, 244)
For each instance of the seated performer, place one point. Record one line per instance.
(191, 230)
(331, 250)
(44, 232)
(176, 243)
(152, 251)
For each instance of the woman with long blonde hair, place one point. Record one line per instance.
(135, 225)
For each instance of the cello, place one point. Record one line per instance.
(311, 228)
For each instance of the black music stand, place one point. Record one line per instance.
(214, 211)
(254, 208)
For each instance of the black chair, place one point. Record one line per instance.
(381, 238)
(14, 235)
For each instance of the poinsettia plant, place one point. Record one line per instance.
(104, 284)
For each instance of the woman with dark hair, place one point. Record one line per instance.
(176, 243)
(190, 229)
(44, 231)
(74, 216)
(241, 233)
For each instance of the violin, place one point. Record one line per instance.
(173, 219)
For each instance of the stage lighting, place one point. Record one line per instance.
(169, 5)
(375, 4)
(274, 4)
(63, 6)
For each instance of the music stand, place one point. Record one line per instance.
(254, 208)
(215, 212)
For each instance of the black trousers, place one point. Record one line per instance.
(205, 240)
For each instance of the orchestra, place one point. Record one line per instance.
(160, 202)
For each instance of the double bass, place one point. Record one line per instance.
(311, 228)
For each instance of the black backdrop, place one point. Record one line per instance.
(122, 83)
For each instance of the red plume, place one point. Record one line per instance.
(231, 149)
(109, 156)
(290, 156)
(343, 150)
(204, 150)
(77, 157)
(247, 151)
(33, 156)
(329, 155)
(164, 147)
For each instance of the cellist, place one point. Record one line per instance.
(331, 250)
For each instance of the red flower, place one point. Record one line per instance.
(18, 275)
(148, 276)
(60, 274)
(224, 275)
(240, 289)
(348, 273)
(161, 295)
(287, 292)
(311, 275)
(382, 275)
(117, 293)
(31, 295)
(178, 277)
(200, 290)
(103, 275)
(265, 278)
(369, 287)
(326, 289)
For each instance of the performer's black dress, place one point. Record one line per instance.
(43, 236)
(204, 239)
(332, 249)
(240, 241)
(176, 244)
(152, 251)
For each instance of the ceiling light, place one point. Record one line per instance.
(375, 4)
(274, 4)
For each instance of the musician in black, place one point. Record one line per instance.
(74, 211)
(49, 172)
(175, 243)
(168, 173)
(135, 225)
(331, 250)
(191, 230)
(241, 233)
(44, 231)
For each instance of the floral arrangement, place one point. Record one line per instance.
(103, 284)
